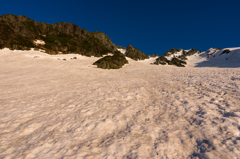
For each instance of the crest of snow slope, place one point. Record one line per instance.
(215, 58)
(55, 108)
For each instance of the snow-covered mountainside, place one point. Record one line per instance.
(213, 57)
(62, 106)
(175, 57)
(232, 54)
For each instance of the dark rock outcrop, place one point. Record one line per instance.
(178, 60)
(175, 61)
(112, 62)
(105, 40)
(156, 55)
(191, 52)
(135, 54)
(120, 47)
(227, 51)
(59, 37)
(172, 51)
(161, 60)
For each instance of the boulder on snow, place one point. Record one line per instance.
(112, 62)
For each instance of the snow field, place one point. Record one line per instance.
(55, 108)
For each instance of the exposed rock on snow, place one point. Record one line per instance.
(228, 57)
(213, 57)
(175, 57)
(191, 52)
(115, 61)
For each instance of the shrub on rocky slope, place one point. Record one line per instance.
(59, 37)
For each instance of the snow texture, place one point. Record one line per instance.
(216, 58)
(40, 42)
(123, 51)
(56, 108)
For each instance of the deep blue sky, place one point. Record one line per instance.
(153, 26)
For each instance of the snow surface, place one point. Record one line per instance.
(215, 58)
(40, 42)
(123, 51)
(55, 108)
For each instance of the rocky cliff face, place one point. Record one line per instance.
(105, 40)
(70, 29)
(135, 54)
(20, 31)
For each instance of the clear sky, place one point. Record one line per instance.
(153, 26)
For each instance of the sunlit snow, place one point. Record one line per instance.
(58, 106)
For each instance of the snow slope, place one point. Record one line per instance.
(40, 42)
(56, 108)
(216, 58)
(213, 57)
(123, 51)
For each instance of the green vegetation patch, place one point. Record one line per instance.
(5, 31)
(64, 39)
(30, 25)
(93, 47)
(24, 41)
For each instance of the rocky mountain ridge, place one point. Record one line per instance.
(213, 57)
(19, 32)
(175, 57)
